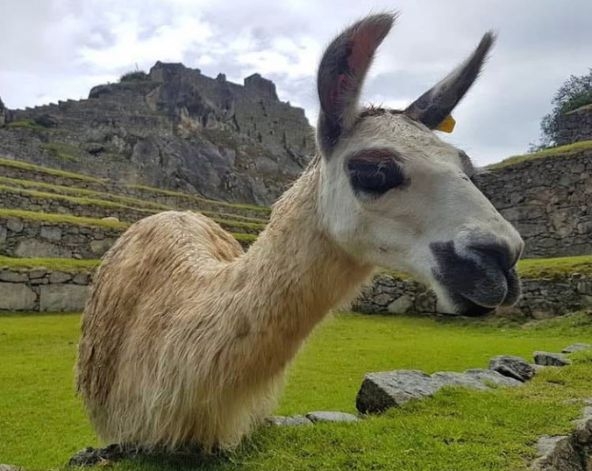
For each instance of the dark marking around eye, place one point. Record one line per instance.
(375, 171)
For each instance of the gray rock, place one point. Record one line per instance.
(59, 277)
(51, 233)
(62, 297)
(3, 234)
(381, 391)
(550, 359)
(8, 467)
(13, 276)
(512, 366)
(31, 248)
(331, 416)
(99, 247)
(15, 225)
(81, 279)
(576, 347)
(37, 273)
(488, 377)
(400, 305)
(283, 421)
(558, 454)
(16, 297)
(110, 219)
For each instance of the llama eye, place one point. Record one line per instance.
(374, 176)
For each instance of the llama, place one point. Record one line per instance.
(185, 337)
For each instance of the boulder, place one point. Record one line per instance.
(550, 359)
(381, 391)
(512, 366)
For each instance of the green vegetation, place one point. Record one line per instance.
(554, 267)
(559, 151)
(46, 170)
(60, 264)
(134, 76)
(24, 124)
(82, 193)
(61, 218)
(62, 151)
(178, 194)
(573, 94)
(43, 422)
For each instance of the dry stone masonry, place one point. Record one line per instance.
(541, 297)
(575, 125)
(549, 201)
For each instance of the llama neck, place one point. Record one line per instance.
(293, 274)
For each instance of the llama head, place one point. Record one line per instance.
(394, 195)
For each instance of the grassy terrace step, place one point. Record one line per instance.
(127, 201)
(61, 219)
(527, 268)
(93, 207)
(41, 174)
(559, 151)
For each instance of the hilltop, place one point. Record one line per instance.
(173, 128)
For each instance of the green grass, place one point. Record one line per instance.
(43, 422)
(82, 193)
(61, 219)
(263, 209)
(46, 170)
(554, 267)
(62, 151)
(551, 152)
(24, 124)
(61, 264)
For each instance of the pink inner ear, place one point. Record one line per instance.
(363, 44)
(338, 90)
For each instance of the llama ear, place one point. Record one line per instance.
(436, 104)
(341, 74)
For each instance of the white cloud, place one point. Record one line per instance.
(58, 49)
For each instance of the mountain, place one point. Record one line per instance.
(173, 128)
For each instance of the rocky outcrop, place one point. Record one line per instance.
(172, 128)
(575, 125)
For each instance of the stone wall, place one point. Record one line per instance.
(32, 238)
(575, 125)
(42, 290)
(542, 297)
(549, 201)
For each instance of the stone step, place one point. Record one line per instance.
(31, 200)
(175, 199)
(30, 234)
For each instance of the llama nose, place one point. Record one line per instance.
(496, 254)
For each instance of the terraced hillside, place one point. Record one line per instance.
(48, 213)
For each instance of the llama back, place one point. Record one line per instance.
(153, 256)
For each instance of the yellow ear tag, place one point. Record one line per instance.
(447, 125)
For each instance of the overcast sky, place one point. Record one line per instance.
(58, 49)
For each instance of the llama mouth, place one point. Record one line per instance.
(478, 303)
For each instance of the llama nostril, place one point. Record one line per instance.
(500, 254)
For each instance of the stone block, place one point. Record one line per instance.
(16, 297)
(62, 297)
(51, 233)
(34, 248)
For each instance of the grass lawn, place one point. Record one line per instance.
(42, 422)
(567, 149)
